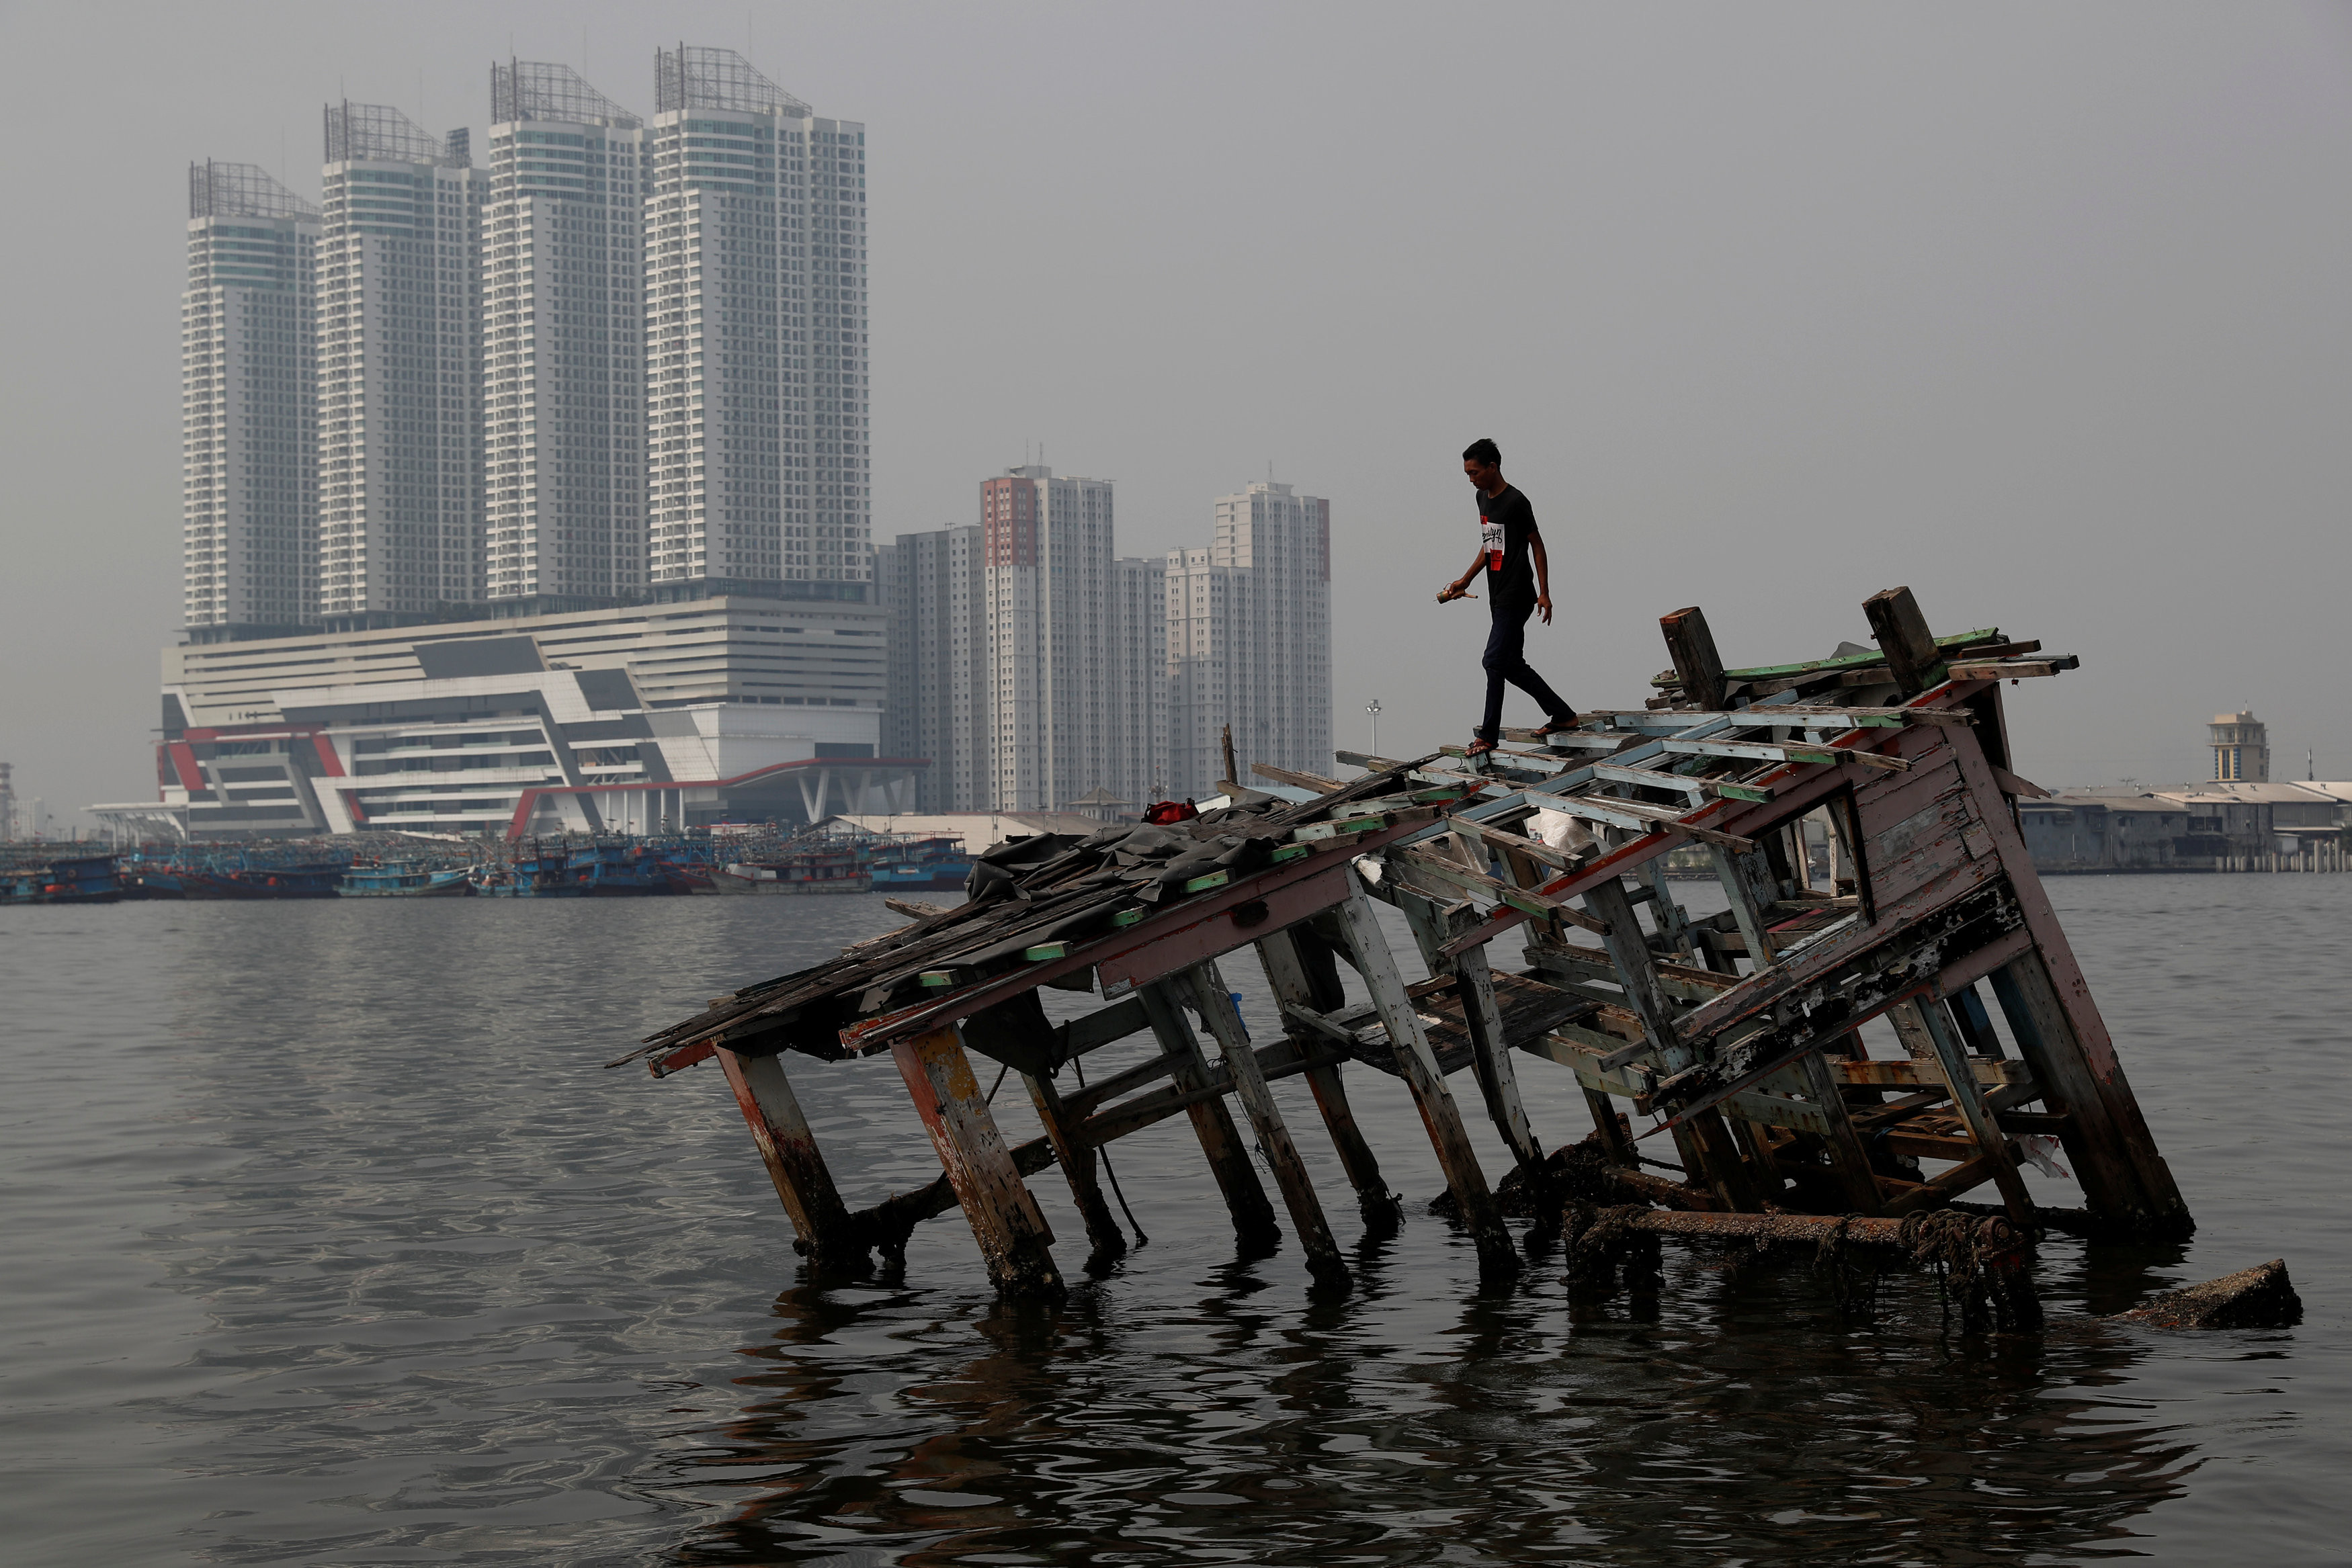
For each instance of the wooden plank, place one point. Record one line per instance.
(1291, 777)
(1437, 868)
(1303, 976)
(1849, 1160)
(1692, 647)
(1101, 1027)
(1904, 1075)
(1078, 1159)
(1792, 751)
(788, 1148)
(1856, 661)
(1418, 1066)
(2124, 1135)
(1975, 1024)
(1221, 1142)
(1216, 1006)
(2012, 669)
(1747, 887)
(1014, 1240)
(1900, 632)
(1968, 1097)
(1490, 1058)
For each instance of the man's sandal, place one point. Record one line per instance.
(1479, 747)
(1557, 727)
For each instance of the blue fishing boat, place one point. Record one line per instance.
(911, 863)
(70, 878)
(619, 870)
(529, 876)
(405, 879)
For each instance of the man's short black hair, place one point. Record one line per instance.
(1483, 449)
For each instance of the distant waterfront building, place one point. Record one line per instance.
(563, 351)
(400, 363)
(247, 402)
(1249, 640)
(622, 718)
(2242, 749)
(761, 465)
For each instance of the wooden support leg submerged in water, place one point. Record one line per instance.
(1308, 978)
(1417, 1064)
(1221, 1142)
(1215, 1004)
(1014, 1239)
(789, 1150)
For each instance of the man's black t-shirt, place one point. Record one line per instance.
(1506, 524)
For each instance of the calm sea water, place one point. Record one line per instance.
(327, 1241)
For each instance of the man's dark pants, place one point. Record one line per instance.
(1507, 660)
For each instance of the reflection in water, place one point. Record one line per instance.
(1751, 1423)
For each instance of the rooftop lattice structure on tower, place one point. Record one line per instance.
(535, 89)
(357, 130)
(241, 190)
(717, 79)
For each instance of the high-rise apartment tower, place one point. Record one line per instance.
(1249, 640)
(563, 349)
(249, 471)
(756, 334)
(400, 361)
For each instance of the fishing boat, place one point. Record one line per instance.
(260, 882)
(829, 868)
(541, 875)
(78, 878)
(913, 863)
(618, 869)
(405, 879)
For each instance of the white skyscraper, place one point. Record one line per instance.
(400, 371)
(1249, 639)
(564, 354)
(1046, 544)
(249, 471)
(934, 588)
(756, 334)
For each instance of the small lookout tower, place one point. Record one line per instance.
(2242, 749)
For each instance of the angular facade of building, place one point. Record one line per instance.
(399, 379)
(1044, 715)
(249, 478)
(622, 718)
(756, 334)
(564, 351)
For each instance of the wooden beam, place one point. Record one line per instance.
(1015, 1242)
(1692, 647)
(1216, 1006)
(1301, 975)
(1078, 1159)
(1417, 1064)
(1902, 634)
(1968, 1098)
(1490, 1059)
(1221, 1142)
(788, 1148)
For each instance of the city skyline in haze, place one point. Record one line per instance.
(2038, 312)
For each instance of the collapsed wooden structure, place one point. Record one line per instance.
(1735, 1035)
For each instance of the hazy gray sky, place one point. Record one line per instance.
(2040, 309)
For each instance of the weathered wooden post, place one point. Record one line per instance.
(1216, 1009)
(1297, 979)
(1221, 1142)
(1692, 647)
(788, 1148)
(1076, 1157)
(1015, 1242)
(1417, 1064)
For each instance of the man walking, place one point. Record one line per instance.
(1506, 542)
